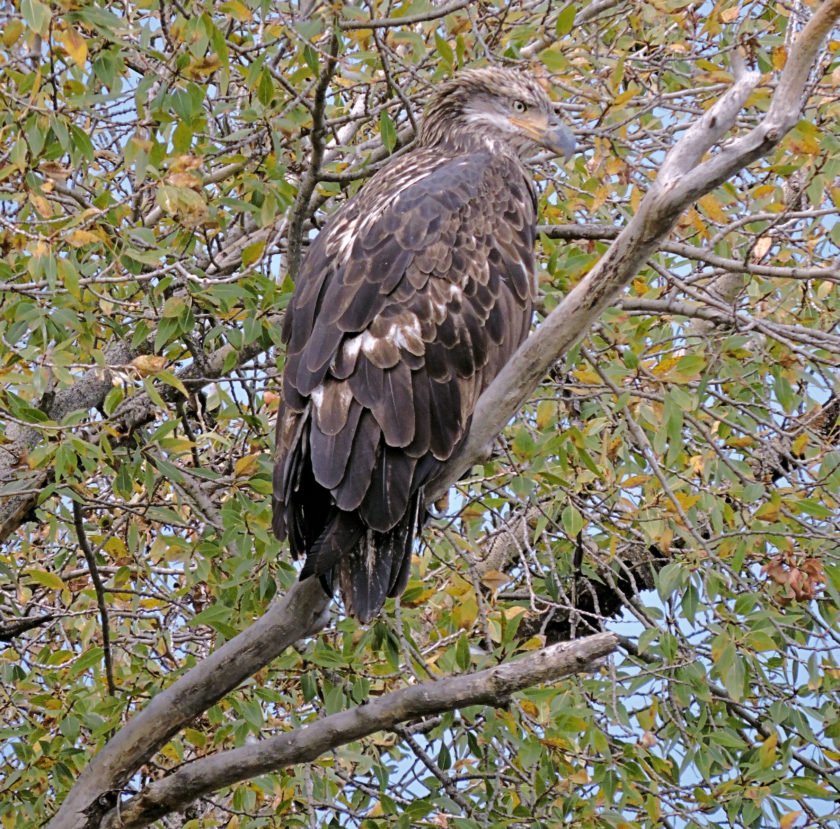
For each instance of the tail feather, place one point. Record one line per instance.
(378, 566)
(371, 565)
(341, 533)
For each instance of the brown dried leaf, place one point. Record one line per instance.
(148, 364)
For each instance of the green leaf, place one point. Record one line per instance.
(310, 56)
(671, 577)
(462, 653)
(37, 16)
(573, 521)
(565, 21)
(46, 579)
(387, 131)
(445, 52)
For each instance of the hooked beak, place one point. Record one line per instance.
(551, 133)
(559, 138)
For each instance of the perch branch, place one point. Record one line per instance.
(299, 613)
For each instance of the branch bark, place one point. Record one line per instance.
(493, 687)
(88, 393)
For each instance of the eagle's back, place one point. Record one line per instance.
(408, 303)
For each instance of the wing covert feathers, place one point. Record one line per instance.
(408, 303)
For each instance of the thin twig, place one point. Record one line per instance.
(99, 588)
(420, 17)
(307, 185)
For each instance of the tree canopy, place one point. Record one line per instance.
(673, 479)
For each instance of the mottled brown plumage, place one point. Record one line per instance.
(408, 303)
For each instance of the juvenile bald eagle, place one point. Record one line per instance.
(409, 302)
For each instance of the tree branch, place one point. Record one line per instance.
(388, 22)
(88, 393)
(301, 612)
(492, 687)
(79, 523)
(307, 185)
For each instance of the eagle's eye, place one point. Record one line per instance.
(519, 106)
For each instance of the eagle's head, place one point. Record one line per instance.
(496, 105)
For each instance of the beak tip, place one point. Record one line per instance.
(562, 141)
(565, 142)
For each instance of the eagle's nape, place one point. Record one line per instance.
(409, 302)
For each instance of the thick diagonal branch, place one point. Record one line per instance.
(300, 612)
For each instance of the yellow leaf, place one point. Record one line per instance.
(711, 207)
(740, 443)
(246, 466)
(419, 600)
(697, 464)
(824, 288)
(494, 579)
(545, 413)
(728, 15)
(761, 247)
(535, 643)
(779, 57)
(80, 238)
(376, 810)
(634, 480)
(580, 777)
(599, 198)
(236, 9)
(529, 708)
(664, 366)
(800, 443)
(42, 577)
(787, 821)
(767, 751)
(625, 96)
(253, 253)
(767, 512)
(12, 30)
(586, 375)
(41, 205)
(184, 179)
(183, 163)
(205, 66)
(75, 45)
(465, 612)
(685, 501)
(148, 364)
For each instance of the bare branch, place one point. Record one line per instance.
(492, 686)
(10, 630)
(79, 523)
(307, 186)
(420, 17)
